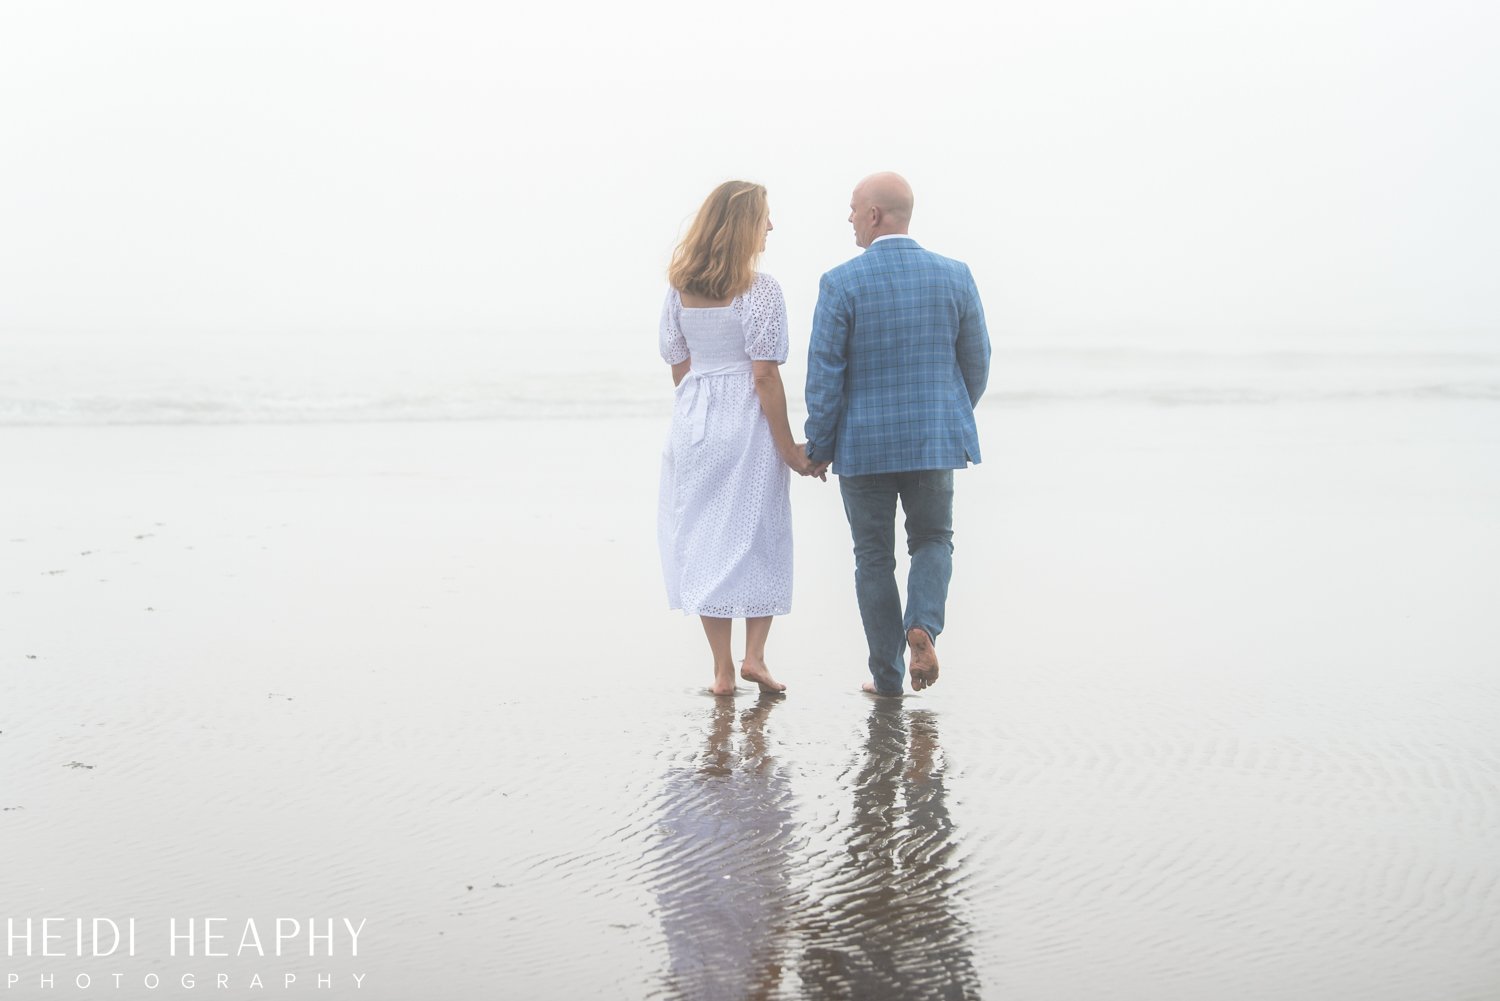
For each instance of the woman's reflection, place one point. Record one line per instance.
(888, 923)
(721, 867)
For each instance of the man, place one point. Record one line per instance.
(899, 357)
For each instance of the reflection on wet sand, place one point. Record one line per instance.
(746, 914)
(722, 878)
(887, 924)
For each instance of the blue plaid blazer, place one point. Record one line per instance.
(899, 355)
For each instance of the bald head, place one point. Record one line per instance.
(881, 206)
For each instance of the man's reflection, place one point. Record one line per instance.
(721, 867)
(887, 924)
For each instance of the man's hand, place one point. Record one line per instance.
(803, 465)
(818, 469)
(797, 459)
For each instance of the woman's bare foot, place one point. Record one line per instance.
(924, 662)
(723, 681)
(756, 671)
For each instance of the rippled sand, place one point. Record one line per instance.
(1217, 716)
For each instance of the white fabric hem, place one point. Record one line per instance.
(737, 612)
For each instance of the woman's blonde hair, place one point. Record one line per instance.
(717, 257)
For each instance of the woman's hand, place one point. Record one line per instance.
(773, 404)
(800, 464)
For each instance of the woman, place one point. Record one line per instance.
(724, 519)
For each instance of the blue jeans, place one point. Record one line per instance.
(870, 503)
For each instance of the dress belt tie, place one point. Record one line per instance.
(696, 385)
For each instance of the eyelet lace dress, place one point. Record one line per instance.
(724, 514)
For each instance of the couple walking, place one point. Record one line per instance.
(899, 356)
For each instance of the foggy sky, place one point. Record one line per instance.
(1225, 171)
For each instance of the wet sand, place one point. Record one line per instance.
(1216, 717)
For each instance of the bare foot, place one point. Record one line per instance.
(869, 688)
(756, 671)
(924, 662)
(723, 681)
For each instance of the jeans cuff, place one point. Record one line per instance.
(917, 625)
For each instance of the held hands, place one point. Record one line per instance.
(804, 466)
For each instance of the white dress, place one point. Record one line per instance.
(724, 514)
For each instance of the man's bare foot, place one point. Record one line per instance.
(869, 689)
(924, 662)
(756, 671)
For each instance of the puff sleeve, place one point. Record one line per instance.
(671, 342)
(764, 318)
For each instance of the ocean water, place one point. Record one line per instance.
(72, 379)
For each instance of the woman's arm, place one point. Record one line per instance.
(773, 404)
(674, 346)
